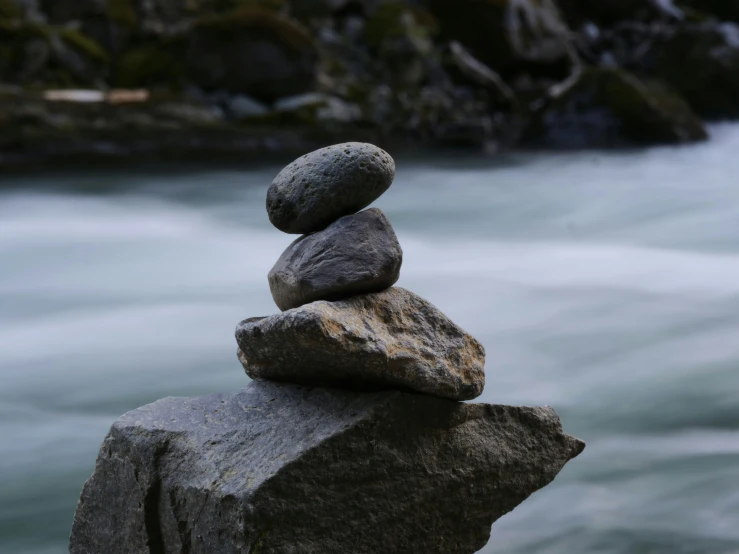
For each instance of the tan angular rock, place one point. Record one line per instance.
(393, 339)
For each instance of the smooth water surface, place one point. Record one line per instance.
(603, 284)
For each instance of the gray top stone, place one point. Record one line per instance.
(392, 339)
(278, 469)
(320, 187)
(356, 254)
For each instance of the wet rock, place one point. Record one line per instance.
(356, 254)
(725, 10)
(241, 106)
(307, 9)
(609, 107)
(480, 74)
(259, 54)
(281, 468)
(320, 187)
(609, 12)
(64, 11)
(315, 107)
(389, 339)
(701, 61)
(505, 34)
(36, 57)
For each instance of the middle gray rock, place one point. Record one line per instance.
(354, 255)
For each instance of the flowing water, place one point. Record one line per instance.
(603, 284)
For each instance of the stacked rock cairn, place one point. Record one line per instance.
(351, 437)
(343, 323)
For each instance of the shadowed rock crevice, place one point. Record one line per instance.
(151, 519)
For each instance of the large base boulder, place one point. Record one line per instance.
(607, 107)
(282, 468)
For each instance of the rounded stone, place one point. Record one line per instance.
(356, 254)
(317, 189)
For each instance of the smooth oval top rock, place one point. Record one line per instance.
(356, 254)
(317, 189)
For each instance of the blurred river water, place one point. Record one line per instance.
(603, 284)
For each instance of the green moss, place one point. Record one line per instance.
(395, 19)
(649, 111)
(84, 44)
(122, 12)
(147, 65)
(386, 22)
(289, 32)
(259, 544)
(9, 10)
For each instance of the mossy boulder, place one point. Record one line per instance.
(701, 61)
(505, 34)
(607, 107)
(254, 52)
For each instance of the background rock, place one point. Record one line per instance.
(253, 52)
(702, 63)
(609, 107)
(357, 254)
(320, 187)
(390, 339)
(505, 34)
(282, 468)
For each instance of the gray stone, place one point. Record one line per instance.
(317, 106)
(356, 254)
(479, 73)
(320, 187)
(279, 468)
(300, 101)
(392, 339)
(241, 106)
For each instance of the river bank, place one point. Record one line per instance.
(246, 78)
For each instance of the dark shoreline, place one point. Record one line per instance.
(84, 83)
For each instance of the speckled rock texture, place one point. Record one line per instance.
(278, 469)
(320, 187)
(392, 339)
(357, 254)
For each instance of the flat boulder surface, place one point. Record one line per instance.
(279, 468)
(356, 254)
(322, 186)
(390, 339)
